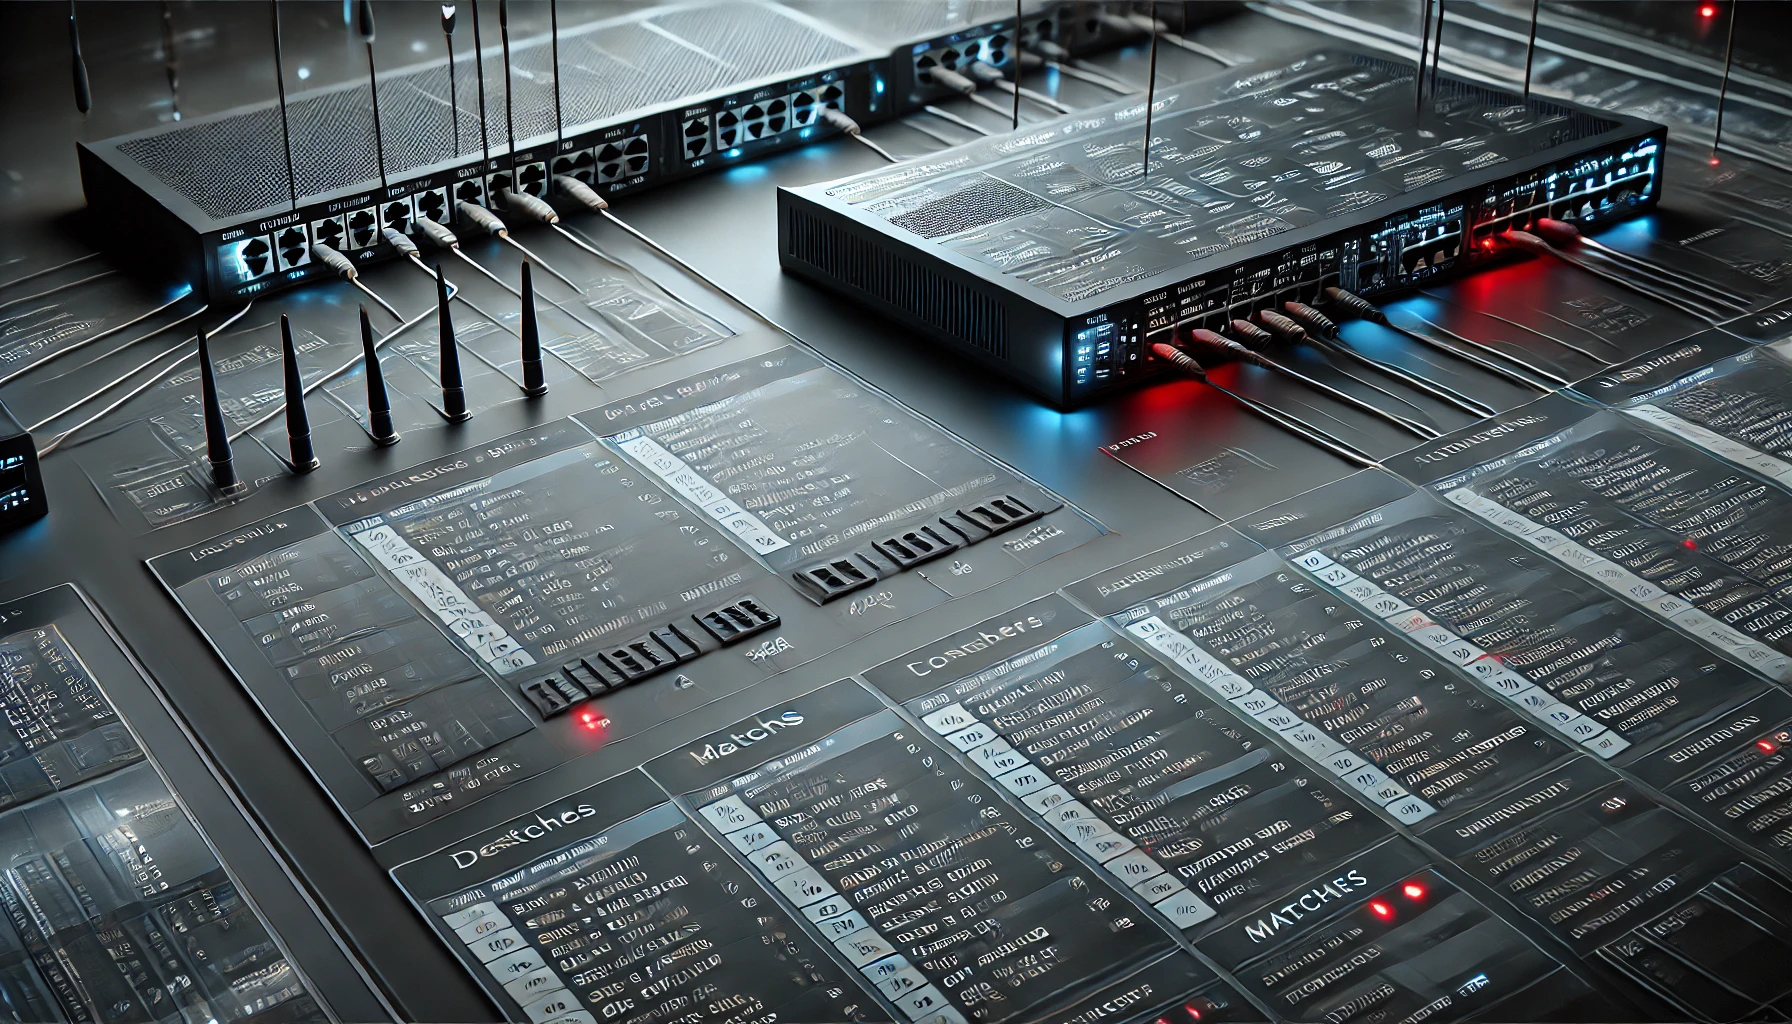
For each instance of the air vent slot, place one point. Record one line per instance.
(970, 316)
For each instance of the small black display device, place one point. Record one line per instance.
(21, 485)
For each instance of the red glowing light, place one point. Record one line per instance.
(1381, 909)
(1690, 544)
(1488, 243)
(1715, 161)
(1194, 1012)
(593, 720)
(1707, 10)
(1766, 746)
(1413, 891)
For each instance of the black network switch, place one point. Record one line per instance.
(648, 97)
(1049, 256)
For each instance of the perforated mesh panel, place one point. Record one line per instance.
(896, 21)
(980, 201)
(233, 165)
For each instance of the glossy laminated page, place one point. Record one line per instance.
(115, 904)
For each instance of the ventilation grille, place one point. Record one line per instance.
(943, 304)
(980, 200)
(902, 21)
(233, 165)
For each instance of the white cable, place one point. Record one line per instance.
(145, 386)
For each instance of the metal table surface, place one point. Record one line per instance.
(724, 224)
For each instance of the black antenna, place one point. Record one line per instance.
(448, 12)
(1150, 96)
(1014, 62)
(534, 384)
(1437, 49)
(364, 28)
(1530, 50)
(554, 42)
(170, 64)
(298, 425)
(379, 406)
(509, 118)
(454, 393)
(1418, 78)
(83, 89)
(1723, 88)
(485, 138)
(292, 187)
(217, 438)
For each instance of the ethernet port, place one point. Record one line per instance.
(433, 205)
(803, 108)
(777, 116)
(727, 128)
(255, 257)
(254, 254)
(950, 57)
(246, 259)
(610, 164)
(495, 184)
(995, 50)
(637, 154)
(470, 191)
(581, 166)
(925, 64)
(329, 231)
(622, 158)
(293, 247)
(752, 122)
(832, 96)
(696, 137)
(397, 216)
(363, 229)
(532, 179)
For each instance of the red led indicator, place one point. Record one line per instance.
(1413, 891)
(1381, 909)
(1707, 10)
(1690, 544)
(1766, 746)
(1194, 1012)
(593, 720)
